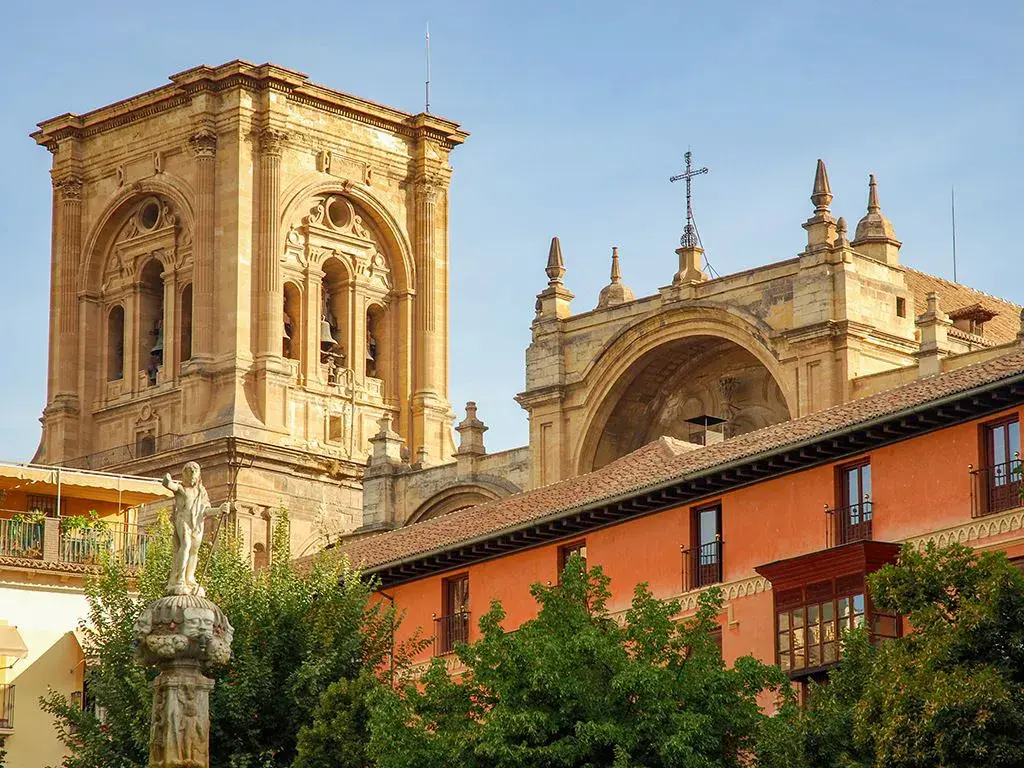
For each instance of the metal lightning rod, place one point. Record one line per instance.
(428, 69)
(952, 213)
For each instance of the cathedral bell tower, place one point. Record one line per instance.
(249, 270)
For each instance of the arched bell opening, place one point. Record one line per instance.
(292, 331)
(335, 325)
(115, 343)
(185, 325)
(151, 320)
(377, 343)
(699, 389)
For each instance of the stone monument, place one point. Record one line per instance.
(184, 635)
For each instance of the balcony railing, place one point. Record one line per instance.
(450, 631)
(6, 707)
(702, 565)
(21, 539)
(88, 545)
(846, 524)
(996, 488)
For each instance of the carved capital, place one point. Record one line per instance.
(271, 141)
(69, 188)
(203, 144)
(427, 188)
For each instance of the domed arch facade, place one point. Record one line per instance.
(657, 376)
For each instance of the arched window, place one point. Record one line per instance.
(291, 334)
(115, 344)
(151, 319)
(185, 334)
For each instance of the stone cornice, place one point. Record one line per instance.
(240, 74)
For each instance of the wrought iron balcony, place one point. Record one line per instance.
(846, 524)
(6, 707)
(450, 631)
(997, 488)
(19, 538)
(702, 565)
(89, 545)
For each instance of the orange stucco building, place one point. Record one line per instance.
(787, 520)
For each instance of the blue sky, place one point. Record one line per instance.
(579, 112)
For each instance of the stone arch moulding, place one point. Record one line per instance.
(461, 496)
(603, 377)
(395, 240)
(117, 210)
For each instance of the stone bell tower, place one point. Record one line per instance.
(249, 270)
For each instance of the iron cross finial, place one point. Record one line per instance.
(690, 238)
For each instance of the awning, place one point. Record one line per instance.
(11, 643)
(82, 484)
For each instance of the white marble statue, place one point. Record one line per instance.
(191, 508)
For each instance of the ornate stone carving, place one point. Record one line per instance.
(70, 188)
(158, 162)
(271, 141)
(323, 161)
(203, 143)
(184, 635)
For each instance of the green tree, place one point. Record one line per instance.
(296, 633)
(948, 693)
(576, 687)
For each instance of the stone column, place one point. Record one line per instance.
(273, 374)
(204, 148)
(266, 265)
(430, 409)
(70, 224)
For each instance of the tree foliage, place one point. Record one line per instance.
(948, 693)
(577, 687)
(295, 634)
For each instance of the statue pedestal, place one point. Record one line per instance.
(180, 733)
(183, 636)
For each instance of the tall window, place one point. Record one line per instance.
(115, 344)
(702, 563)
(1001, 477)
(852, 518)
(452, 627)
(151, 319)
(185, 334)
(567, 551)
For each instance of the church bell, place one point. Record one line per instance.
(327, 339)
(158, 346)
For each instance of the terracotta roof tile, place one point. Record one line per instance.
(953, 296)
(659, 462)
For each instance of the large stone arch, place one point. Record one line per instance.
(117, 211)
(650, 375)
(453, 499)
(397, 245)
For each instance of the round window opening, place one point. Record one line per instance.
(149, 214)
(338, 213)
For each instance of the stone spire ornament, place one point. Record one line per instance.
(615, 292)
(555, 269)
(875, 236)
(821, 227)
(554, 301)
(183, 635)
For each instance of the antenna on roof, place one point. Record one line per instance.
(952, 213)
(428, 69)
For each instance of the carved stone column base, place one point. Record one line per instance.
(180, 732)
